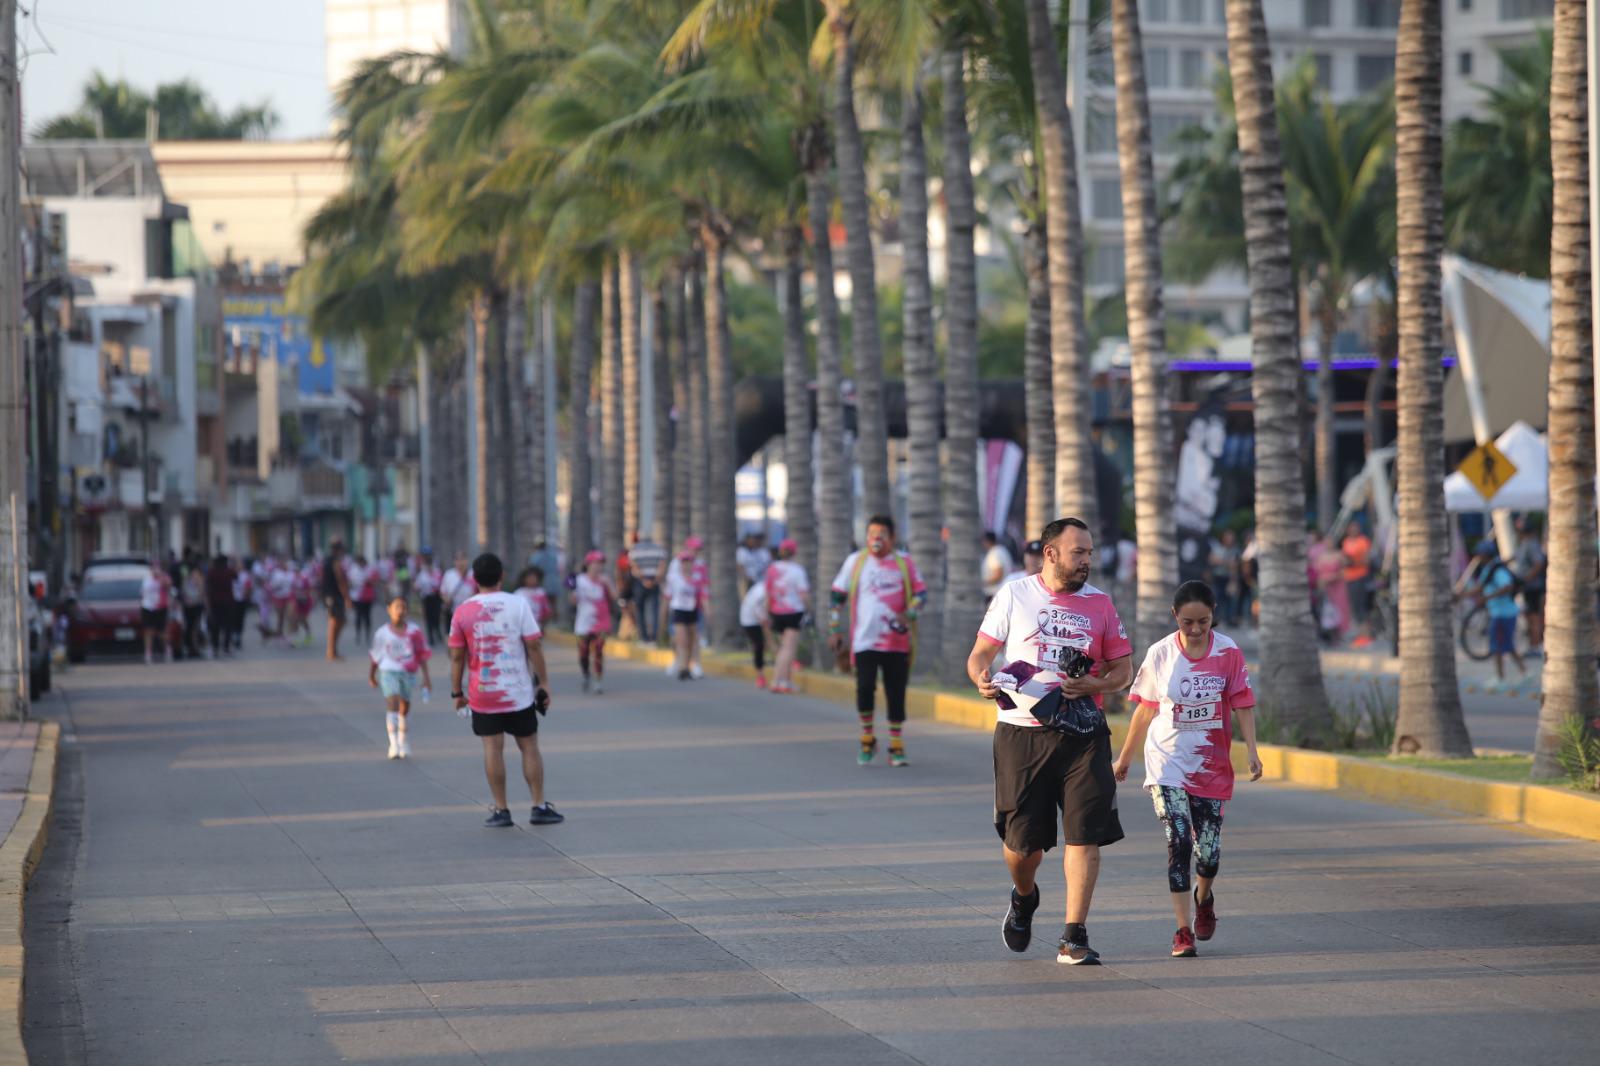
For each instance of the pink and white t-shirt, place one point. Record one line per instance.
(539, 600)
(427, 580)
(406, 650)
(1034, 625)
(594, 606)
(880, 595)
(1190, 742)
(787, 586)
(153, 594)
(492, 626)
(686, 585)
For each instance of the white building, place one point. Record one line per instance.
(356, 30)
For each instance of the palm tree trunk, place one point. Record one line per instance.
(512, 401)
(1569, 672)
(1039, 400)
(533, 488)
(866, 343)
(800, 507)
(922, 378)
(1327, 443)
(699, 435)
(1153, 465)
(1069, 336)
(963, 601)
(611, 420)
(632, 391)
(580, 475)
(836, 508)
(480, 400)
(1430, 721)
(665, 458)
(722, 539)
(682, 442)
(1290, 682)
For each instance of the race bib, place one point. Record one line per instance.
(1196, 715)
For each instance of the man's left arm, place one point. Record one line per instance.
(458, 668)
(533, 647)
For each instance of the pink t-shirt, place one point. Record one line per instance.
(880, 595)
(786, 587)
(594, 606)
(1190, 742)
(492, 626)
(1034, 624)
(539, 600)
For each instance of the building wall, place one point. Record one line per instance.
(1475, 33)
(106, 237)
(359, 29)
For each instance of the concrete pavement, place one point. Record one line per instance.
(237, 875)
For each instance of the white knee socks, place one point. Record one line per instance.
(397, 724)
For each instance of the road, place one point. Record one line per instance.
(237, 875)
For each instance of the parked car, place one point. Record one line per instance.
(104, 612)
(40, 627)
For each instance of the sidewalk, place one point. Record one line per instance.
(254, 882)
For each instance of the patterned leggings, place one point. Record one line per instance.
(1194, 832)
(592, 645)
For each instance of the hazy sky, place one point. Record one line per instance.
(240, 51)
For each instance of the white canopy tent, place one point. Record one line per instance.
(1526, 489)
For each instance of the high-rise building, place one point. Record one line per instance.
(362, 29)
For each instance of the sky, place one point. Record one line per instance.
(239, 51)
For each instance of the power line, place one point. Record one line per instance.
(221, 60)
(165, 31)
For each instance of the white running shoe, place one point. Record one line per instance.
(695, 672)
(672, 669)
(405, 747)
(599, 688)
(394, 749)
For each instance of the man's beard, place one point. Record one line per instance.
(1071, 580)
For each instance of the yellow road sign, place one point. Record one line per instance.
(1488, 469)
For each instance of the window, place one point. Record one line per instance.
(1191, 68)
(1158, 68)
(1105, 198)
(1106, 265)
(1318, 13)
(1324, 64)
(1156, 11)
(1378, 14)
(1372, 72)
(1165, 126)
(1102, 133)
(1219, 12)
(1527, 9)
(1463, 5)
(1464, 64)
(1191, 11)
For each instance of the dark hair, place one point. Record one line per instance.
(882, 520)
(487, 570)
(537, 571)
(989, 537)
(1194, 592)
(1058, 527)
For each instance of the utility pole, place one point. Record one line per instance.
(13, 407)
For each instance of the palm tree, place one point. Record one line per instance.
(1156, 528)
(1075, 466)
(611, 424)
(1291, 668)
(481, 525)
(580, 517)
(836, 507)
(1430, 720)
(632, 368)
(700, 487)
(683, 406)
(799, 507)
(115, 110)
(1569, 675)
(660, 374)
(722, 535)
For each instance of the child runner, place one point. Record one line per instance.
(1188, 691)
(399, 650)
(788, 597)
(530, 586)
(753, 620)
(594, 595)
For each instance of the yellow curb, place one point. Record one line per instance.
(19, 856)
(1555, 810)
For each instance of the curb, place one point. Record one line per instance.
(1554, 810)
(19, 856)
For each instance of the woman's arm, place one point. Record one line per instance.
(1247, 726)
(1138, 726)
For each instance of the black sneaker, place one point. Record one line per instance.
(1069, 953)
(545, 814)
(1017, 929)
(498, 819)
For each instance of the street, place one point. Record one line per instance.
(237, 875)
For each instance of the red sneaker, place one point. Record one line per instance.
(1205, 917)
(1183, 944)
(761, 681)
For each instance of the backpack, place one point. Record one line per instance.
(855, 581)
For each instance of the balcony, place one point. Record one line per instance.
(322, 488)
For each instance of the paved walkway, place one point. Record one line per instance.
(237, 875)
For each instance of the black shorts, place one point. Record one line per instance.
(156, 619)
(1533, 600)
(1040, 772)
(523, 723)
(686, 618)
(335, 606)
(780, 622)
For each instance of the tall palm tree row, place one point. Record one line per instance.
(611, 418)
(580, 516)
(1290, 679)
(630, 308)
(682, 406)
(1430, 720)
(661, 381)
(800, 505)
(1569, 675)
(722, 531)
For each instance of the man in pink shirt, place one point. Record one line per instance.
(494, 644)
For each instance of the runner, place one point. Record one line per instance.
(649, 562)
(788, 600)
(280, 598)
(877, 594)
(593, 595)
(426, 581)
(363, 593)
(243, 590)
(219, 605)
(194, 604)
(155, 601)
(495, 635)
(457, 585)
(399, 650)
(1190, 688)
(335, 596)
(530, 586)
(753, 620)
(304, 599)
(1047, 625)
(996, 564)
(685, 598)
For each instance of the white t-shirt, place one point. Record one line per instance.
(787, 586)
(880, 595)
(427, 580)
(753, 561)
(152, 593)
(996, 565)
(456, 588)
(683, 593)
(593, 599)
(1034, 625)
(1127, 561)
(753, 608)
(492, 626)
(1190, 743)
(399, 651)
(280, 583)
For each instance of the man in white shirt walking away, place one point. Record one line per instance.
(996, 565)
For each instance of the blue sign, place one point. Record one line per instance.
(263, 323)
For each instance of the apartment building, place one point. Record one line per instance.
(356, 30)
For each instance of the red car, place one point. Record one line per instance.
(104, 614)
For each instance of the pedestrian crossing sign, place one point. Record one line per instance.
(1488, 469)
